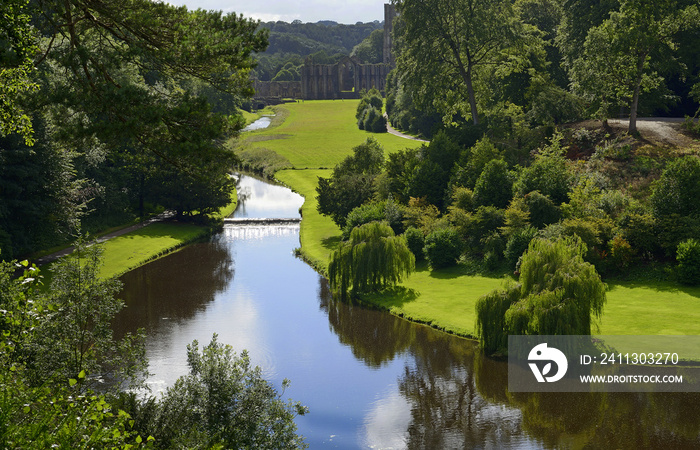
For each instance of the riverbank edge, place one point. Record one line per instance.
(321, 267)
(125, 265)
(201, 232)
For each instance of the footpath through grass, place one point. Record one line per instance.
(136, 248)
(320, 134)
(129, 251)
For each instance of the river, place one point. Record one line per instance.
(370, 379)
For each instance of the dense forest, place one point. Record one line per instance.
(106, 114)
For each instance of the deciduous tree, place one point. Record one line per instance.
(627, 54)
(372, 259)
(445, 42)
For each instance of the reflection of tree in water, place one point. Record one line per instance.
(174, 287)
(374, 337)
(459, 398)
(448, 410)
(598, 420)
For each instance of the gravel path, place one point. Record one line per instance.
(54, 256)
(663, 131)
(392, 130)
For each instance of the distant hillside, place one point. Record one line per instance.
(291, 43)
(307, 38)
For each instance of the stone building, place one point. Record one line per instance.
(343, 80)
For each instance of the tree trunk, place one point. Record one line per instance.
(635, 97)
(472, 97)
(633, 107)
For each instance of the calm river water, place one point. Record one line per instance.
(370, 380)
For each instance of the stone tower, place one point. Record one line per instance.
(389, 16)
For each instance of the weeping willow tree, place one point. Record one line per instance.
(558, 294)
(372, 259)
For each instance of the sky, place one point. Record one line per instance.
(341, 11)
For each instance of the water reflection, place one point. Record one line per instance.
(259, 124)
(160, 292)
(369, 378)
(263, 200)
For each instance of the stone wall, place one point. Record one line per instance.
(278, 89)
(342, 80)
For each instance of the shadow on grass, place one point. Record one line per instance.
(658, 286)
(330, 243)
(268, 137)
(463, 269)
(396, 296)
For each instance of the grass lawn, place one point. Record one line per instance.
(129, 251)
(319, 134)
(444, 299)
(318, 234)
(651, 307)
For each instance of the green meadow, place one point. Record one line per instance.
(134, 249)
(319, 134)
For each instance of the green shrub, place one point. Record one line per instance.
(415, 240)
(494, 186)
(641, 231)
(363, 214)
(443, 248)
(678, 189)
(493, 245)
(675, 228)
(688, 257)
(517, 244)
(463, 198)
(621, 252)
(475, 227)
(542, 209)
(374, 121)
(548, 175)
(387, 211)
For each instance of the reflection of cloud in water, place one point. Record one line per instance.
(234, 317)
(258, 231)
(245, 332)
(266, 200)
(386, 423)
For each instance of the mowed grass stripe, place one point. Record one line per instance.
(319, 134)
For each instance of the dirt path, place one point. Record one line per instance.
(660, 131)
(392, 130)
(54, 256)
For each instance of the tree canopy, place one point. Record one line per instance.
(628, 53)
(558, 294)
(445, 43)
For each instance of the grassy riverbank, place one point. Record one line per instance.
(318, 135)
(129, 251)
(135, 248)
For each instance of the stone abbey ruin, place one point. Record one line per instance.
(343, 80)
